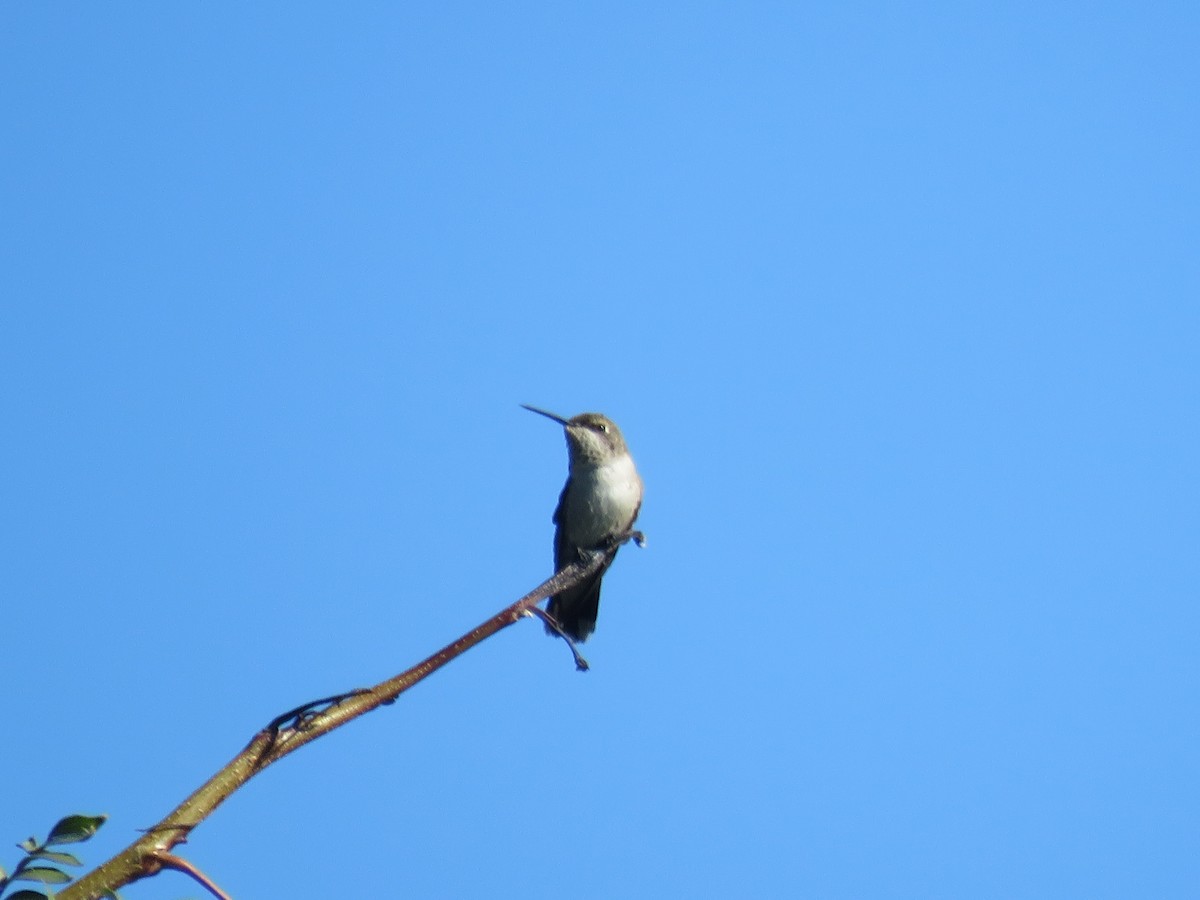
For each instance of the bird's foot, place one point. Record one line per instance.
(615, 541)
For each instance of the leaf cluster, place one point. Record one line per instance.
(41, 864)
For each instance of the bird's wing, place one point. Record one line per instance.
(562, 551)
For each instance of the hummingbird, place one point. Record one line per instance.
(600, 500)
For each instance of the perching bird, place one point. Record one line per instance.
(600, 500)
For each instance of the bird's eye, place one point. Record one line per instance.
(602, 427)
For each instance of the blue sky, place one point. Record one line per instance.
(896, 306)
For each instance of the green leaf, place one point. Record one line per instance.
(63, 859)
(27, 895)
(43, 874)
(75, 828)
(29, 845)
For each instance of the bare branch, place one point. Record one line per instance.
(292, 730)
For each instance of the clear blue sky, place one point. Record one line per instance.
(897, 305)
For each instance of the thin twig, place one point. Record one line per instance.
(581, 664)
(179, 864)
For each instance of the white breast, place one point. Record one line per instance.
(603, 499)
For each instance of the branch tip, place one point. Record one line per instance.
(581, 664)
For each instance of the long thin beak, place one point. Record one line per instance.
(549, 415)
